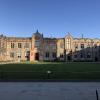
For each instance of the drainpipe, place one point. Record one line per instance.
(64, 51)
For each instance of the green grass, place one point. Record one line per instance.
(59, 71)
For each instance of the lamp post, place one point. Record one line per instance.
(48, 74)
(97, 97)
(92, 52)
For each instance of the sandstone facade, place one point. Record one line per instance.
(39, 48)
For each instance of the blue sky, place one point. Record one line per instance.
(51, 17)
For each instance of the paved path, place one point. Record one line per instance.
(49, 90)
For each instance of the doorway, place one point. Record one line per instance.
(37, 56)
(69, 58)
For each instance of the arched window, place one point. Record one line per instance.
(68, 41)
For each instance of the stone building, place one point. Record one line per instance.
(39, 48)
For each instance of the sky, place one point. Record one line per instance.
(21, 18)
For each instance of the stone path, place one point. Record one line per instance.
(49, 90)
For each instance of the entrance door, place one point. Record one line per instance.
(36, 56)
(69, 58)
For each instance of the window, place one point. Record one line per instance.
(53, 45)
(61, 45)
(95, 45)
(47, 55)
(88, 55)
(27, 45)
(61, 55)
(75, 56)
(82, 46)
(12, 45)
(76, 46)
(19, 56)
(54, 55)
(68, 43)
(46, 46)
(81, 55)
(12, 54)
(88, 46)
(27, 53)
(19, 45)
(37, 43)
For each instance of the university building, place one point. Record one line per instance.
(39, 48)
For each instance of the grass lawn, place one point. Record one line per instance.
(59, 71)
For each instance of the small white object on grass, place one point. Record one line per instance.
(48, 71)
